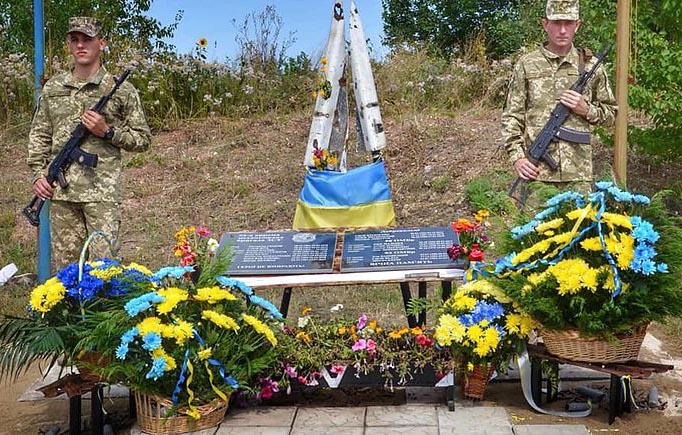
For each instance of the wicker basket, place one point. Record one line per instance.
(476, 381)
(569, 345)
(152, 411)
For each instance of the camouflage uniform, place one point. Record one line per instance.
(539, 78)
(92, 200)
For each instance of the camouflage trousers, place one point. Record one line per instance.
(72, 222)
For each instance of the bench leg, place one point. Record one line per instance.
(447, 289)
(451, 397)
(422, 294)
(75, 415)
(407, 297)
(132, 408)
(96, 414)
(615, 402)
(286, 298)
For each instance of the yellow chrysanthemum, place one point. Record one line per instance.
(204, 354)
(140, 268)
(214, 295)
(574, 275)
(261, 328)
(549, 225)
(615, 219)
(151, 324)
(106, 274)
(172, 297)
(220, 320)
(47, 295)
(181, 331)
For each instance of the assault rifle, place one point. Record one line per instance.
(71, 152)
(553, 132)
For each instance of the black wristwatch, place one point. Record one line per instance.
(109, 134)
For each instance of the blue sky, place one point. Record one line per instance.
(309, 19)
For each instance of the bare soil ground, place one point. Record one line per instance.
(245, 174)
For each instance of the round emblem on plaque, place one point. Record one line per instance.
(303, 237)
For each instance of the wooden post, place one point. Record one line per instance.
(622, 68)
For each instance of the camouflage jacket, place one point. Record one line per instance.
(63, 101)
(539, 78)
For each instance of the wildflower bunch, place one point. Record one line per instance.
(471, 238)
(314, 346)
(482, 325)
(324, 86)
(601, 263)
(325, 160)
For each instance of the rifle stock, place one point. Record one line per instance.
(70, 152)
(553, 131)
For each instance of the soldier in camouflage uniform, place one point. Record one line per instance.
(92, 201)
(540, 79)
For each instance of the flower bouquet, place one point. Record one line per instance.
(59, 313)
(595, 270)
(484, 328)
(471, 238)
(325, 160)
(185, 344)
(315, 349)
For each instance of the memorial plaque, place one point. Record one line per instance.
(279, 253)
(401, 248)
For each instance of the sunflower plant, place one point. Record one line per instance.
(482, 325)
(603, 263)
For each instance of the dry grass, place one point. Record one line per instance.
(246, 174)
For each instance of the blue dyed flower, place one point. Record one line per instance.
(176, 272)
(604, 185)
(158, 366)
(662, 268)
(69, 275)
(643, 230)
(520, 231)
(544, 214)
(142, 303)
(561, 197)
(486, 311)
(129, 280)
(126, 339)
(234, 283)
(266, 305)
(641, 199)
(151, 341)
(504, 263)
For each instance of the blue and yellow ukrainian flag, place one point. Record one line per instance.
(360, 197)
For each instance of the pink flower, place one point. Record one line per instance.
(291, 371)
(203, 232)
(337, 369)
(302, 380)
(361, 344)
(362, 322)
(371, 346)
(424, 341)
(268, 387)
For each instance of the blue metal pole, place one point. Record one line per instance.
(44, 228)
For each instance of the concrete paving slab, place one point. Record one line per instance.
(135, 430)
(550, 429)
(404, 415)
(267, 416)
(330, 417)
(251, 430)
(399, 430)
(322, 430)
(474, 420)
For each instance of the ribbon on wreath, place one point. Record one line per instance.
(475, 271)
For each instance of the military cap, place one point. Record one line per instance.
(86, 25)
(562, 10)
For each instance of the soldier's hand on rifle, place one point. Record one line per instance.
(94, 122)
(575, 101)
(42, 189)
(526, 169)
